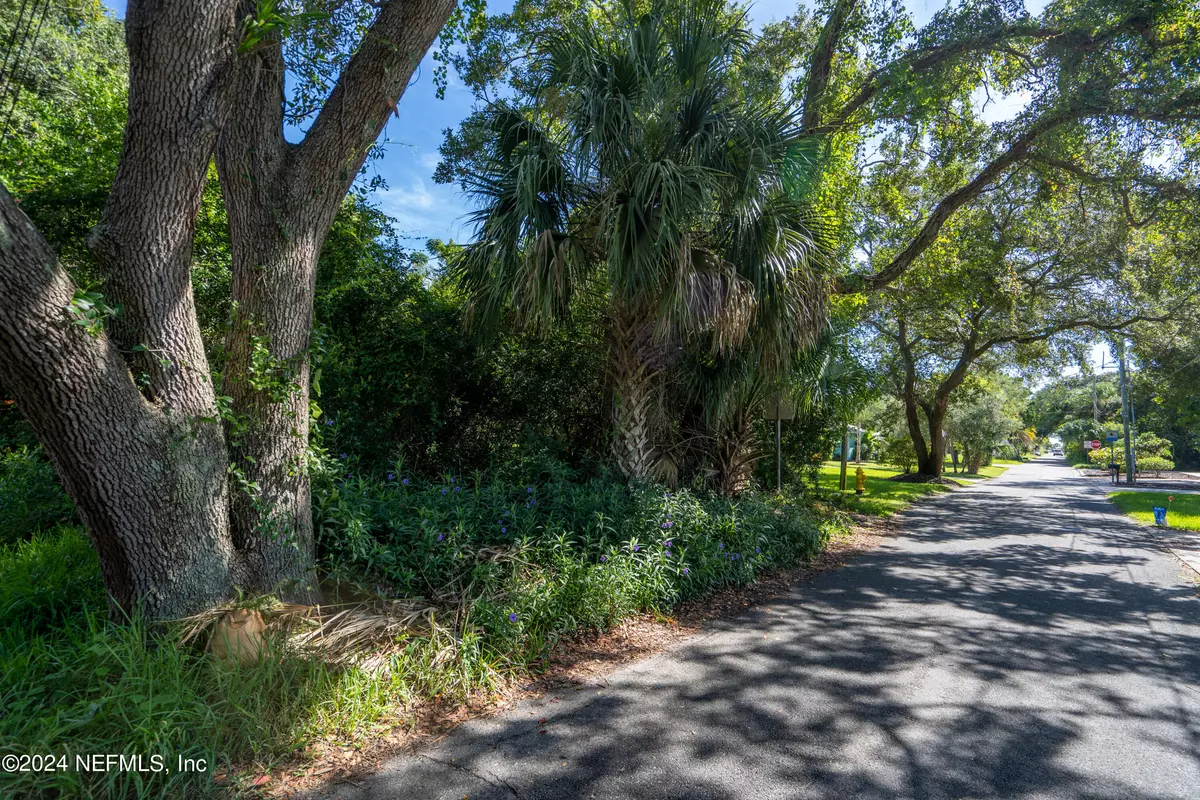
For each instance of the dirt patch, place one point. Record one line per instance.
(578, 661)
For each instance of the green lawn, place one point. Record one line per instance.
(1183, 512)
(883, 496)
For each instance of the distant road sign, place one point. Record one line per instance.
(1095, 443)
(1112, 437)
(1088, 445)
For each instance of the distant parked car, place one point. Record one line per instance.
(1056, 451)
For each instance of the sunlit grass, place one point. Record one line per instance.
(883, 496)
(1183, 512)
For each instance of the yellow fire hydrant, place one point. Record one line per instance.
(860, 481)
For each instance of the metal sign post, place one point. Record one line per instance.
(779, 409)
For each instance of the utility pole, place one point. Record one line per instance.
(778, 451)
(858, 443)
(1130, 470)
(845, 455)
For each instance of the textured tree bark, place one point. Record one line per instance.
(636, 363)
(129, 418)
(935, 456)
(147, 480)
(180, 71)
(282, 199)
(735, 455)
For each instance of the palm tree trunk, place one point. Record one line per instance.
(636, 359)
(735, 457)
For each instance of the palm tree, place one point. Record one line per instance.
(828, 382)
(640, 175)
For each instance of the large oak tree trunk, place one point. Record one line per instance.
(935, 458)
(282, 199)
(268, 381)
(147, 480)
(128, 415)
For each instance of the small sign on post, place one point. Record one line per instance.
(1095, 443)
(778, 409)
(1087, 445)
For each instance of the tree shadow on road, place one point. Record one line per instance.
(992, 653)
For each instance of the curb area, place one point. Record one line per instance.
(1184, 545)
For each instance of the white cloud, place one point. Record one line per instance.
(415, 198)
(424, 211)
(429, 160)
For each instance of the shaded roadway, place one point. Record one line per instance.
(1020, 639)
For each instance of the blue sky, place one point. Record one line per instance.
(423, 209)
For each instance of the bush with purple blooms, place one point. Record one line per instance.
(533, 552)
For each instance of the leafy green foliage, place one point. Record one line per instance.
(979, 427)
(400, 376)
(532, 553)
(528, 539)
(60, 154)
(31, 498)
(898, 450)
(89, 311)
(1152, 453)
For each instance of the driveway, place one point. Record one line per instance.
(1021, 639)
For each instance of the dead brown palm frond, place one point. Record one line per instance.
(359, 633)
(365, 630)
(269, 607)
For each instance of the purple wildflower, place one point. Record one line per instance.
(342, 456)
(441, 536)
(458, 488)
(603, 559)
(667, 543)
(512, 617)
(720, 545)
(443, 491)
(686, 570)
(391, 476)
(636, 548)
(664, 526)
(328, 422)
(504, 530)
(529, 490)
(405, 481)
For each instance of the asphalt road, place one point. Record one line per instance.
(1021, 639)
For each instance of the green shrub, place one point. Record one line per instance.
(526, 540)
(1153, 464)
(1153, 454)
(898, 451)
(530, 550)
(31, 497)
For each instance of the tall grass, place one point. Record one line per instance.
(516, 558)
